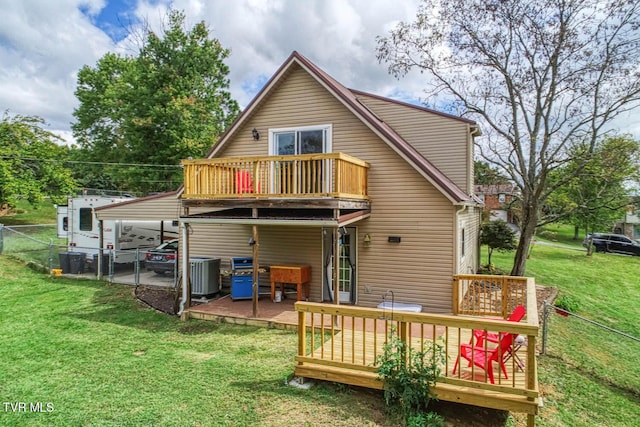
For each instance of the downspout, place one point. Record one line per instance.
(478, 244)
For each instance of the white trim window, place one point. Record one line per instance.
(310, 177)
(300, 140)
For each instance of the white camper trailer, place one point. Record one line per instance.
(78, 223)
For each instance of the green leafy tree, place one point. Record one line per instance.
(497, 236)
(168, 103)
(599, 188)
(539, 76)
(31, 162)
(485, 174)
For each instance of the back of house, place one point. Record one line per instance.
(410, 226)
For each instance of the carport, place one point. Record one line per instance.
(158, 207)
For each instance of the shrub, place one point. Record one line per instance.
(408, 375)
(567, 303)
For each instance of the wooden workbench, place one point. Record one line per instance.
(299, 275)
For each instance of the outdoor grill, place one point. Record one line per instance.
(241, 278)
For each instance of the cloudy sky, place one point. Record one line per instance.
(44, 43)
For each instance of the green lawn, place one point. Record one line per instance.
(99, 358)
(26, 214)
(590, 376)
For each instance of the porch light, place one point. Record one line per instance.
(255, 134)
(251, 241)
(367, 239)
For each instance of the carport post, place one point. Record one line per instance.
(137, 268)
(185, 302)
(100, 250)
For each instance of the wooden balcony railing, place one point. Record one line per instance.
(483, 295)
(334, 175)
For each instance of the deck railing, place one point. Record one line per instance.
(484, 295)
(343, 343)
(335, 175)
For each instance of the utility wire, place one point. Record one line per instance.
(148, 165)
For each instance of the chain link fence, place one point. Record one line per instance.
(39, 246)
(590, 346)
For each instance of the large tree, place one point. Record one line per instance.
(169, 102)
(32, 162)
(601, 186)
(540, 76)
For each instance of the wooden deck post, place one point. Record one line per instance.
(505, 296)
(532, 373)
(302, 334)
(456, 295)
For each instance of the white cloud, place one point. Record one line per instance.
(43, 44)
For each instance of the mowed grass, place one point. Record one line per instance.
(97, 357)
(589, 376)
(25, 213)
(101, 359)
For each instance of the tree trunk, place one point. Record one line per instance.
(529, 223)
(576, 232)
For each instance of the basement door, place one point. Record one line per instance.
(347, 261)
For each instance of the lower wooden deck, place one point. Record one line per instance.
(351, 360)
(343, 348)
(342, 344)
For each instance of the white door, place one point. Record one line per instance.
(347, 264)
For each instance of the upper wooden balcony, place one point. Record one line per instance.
(307, 176)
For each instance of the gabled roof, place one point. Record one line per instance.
(350, 100)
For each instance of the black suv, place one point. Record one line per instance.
(612, 243)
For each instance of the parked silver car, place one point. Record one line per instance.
(163, 258)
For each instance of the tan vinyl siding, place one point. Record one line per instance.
(154, 208)
(278, 245)
(299, 101)
(418, 270)
(443, 141)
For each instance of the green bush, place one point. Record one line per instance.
(408, 375)
(567, 303)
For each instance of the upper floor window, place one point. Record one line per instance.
(302, 140)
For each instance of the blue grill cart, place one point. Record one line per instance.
(241, 278)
